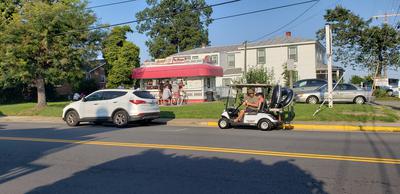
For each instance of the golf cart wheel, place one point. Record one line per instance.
(265, 125)
(72, 118)
(120, 118)
(359, 100)
(223, 123)
(312, 100)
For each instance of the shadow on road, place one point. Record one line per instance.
(153, 171)
(17, 157)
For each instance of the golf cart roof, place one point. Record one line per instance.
(250, 85)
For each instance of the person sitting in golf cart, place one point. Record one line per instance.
(252, 104)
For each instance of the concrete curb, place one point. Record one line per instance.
(308, 127)
(304, 126)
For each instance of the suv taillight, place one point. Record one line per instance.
(137, 101)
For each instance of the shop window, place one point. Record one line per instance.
(231, 61)
(226, 81)
(261, 56)
(292, 51)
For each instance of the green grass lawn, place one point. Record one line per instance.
(388, 99)
(213, 110)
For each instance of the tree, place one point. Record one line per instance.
(7, 9)
(47, 42)
(286, 74)
(259, 75)
(355, 79)
(121, 56)
(358, 44)
(174, 25)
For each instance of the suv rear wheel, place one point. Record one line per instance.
(120, 118)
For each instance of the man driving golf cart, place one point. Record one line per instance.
(257, 112)
(252, 104)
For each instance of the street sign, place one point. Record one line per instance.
(290, 65)
(381, 81)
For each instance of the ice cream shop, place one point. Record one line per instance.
(196, 78)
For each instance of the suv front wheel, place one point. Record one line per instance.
(72, 118)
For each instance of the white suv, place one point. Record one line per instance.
(117, 105)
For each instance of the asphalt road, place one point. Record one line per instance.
(53, 158)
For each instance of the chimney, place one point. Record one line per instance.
(288, 34)
(203, 45)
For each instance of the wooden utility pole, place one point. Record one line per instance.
(328, 36)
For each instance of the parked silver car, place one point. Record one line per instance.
(342, 93)
(308, 84)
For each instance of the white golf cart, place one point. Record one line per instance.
(270, 115)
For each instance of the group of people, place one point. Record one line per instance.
(252, 103)
(170, 94)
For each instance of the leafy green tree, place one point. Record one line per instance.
(47, 42)
(357, 43)
(287, 73)
(121, 56)
(174, 25)
(355, 79)
(259, 75)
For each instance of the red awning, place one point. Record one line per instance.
(172, 71)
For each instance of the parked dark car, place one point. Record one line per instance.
(308, 85)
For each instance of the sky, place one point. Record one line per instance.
(251, 27)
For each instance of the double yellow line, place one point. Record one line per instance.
(213, 149)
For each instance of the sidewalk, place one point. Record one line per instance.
(297, 126)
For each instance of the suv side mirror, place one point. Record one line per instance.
(84, 99)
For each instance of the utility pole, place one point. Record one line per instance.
(245, 58)
(328, 36)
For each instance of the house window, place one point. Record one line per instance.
(214, 59)
(292, 51)
(102, 78)
(195, 57)
(261, 56)
(231, 61)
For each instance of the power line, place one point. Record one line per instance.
(315, 14)
(287, 24)
(110, 4)
(263, 10)
(145, 19)
(214, 19)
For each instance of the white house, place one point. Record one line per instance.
(308, 56)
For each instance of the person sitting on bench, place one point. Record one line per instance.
(251, 102)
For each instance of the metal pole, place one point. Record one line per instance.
(328, 35)
(245, 58)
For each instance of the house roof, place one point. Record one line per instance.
(236, 47)
(210, 49)
(279, 40)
